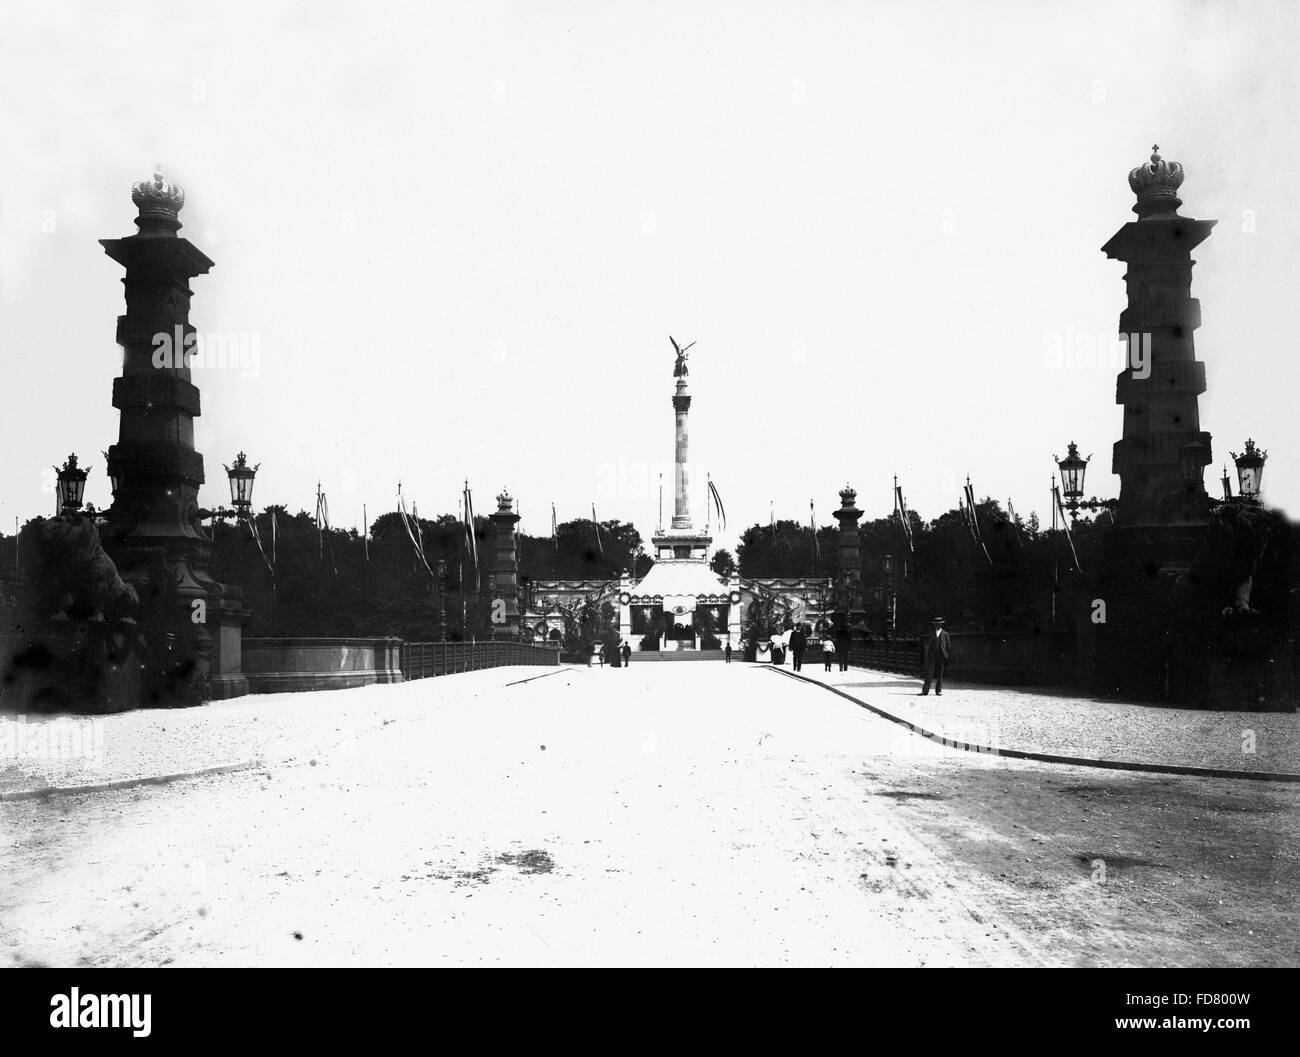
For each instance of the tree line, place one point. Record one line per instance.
(338, 583)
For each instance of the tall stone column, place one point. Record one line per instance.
(848, 581)
(191, 623)
(1162, 439)
(681, 474)
(505, 568)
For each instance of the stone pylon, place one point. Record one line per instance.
(848, 580)
(505, 569)
(1163, 451)
(191, 624)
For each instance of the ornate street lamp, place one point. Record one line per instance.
(1073, 468)
(241, 477)
(241, 485)
(71, 485)
(1250, 468)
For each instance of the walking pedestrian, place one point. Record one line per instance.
(798, 642)
(727, 652)
(936, 650)
(627, 653)
(828, 651)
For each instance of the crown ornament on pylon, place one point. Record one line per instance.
(1156, 184)
(158, 194)
(848, 495)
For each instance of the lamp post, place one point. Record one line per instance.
(241, 477)
(442, 599)
(887, 567)
(1073, 469)
(1250, 468)
(71, 485)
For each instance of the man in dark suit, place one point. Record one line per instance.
(935, 649)
(842, 642)
(798, 643)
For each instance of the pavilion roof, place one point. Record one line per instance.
(679, 579)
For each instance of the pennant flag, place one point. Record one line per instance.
(1065, 524)
(417, 541)
(717, 503)
(365, 531)
(771, 516)
(257, 538)
(812, 524)
(599, 545)
(902, 516)
(974, 520)
(323, 528)
(471, 543)
(555, 533)
(1011, 511)
(273, 535)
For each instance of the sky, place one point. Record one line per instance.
(454, 238)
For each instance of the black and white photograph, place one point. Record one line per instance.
(684, 484)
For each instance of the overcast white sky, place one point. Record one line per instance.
(461, 233)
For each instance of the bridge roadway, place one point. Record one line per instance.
(656, 815)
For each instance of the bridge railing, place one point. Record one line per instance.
(423, 660)
(1046, 658)
(901, 657)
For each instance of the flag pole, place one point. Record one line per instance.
(1056, 573)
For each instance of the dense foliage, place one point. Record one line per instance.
(945, 571)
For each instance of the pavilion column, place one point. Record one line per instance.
(733, 611)
(625, 584)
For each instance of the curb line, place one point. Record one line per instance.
(1043, 757)
(126, 783)
(520, 682)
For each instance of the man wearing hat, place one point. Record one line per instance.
(937, 645)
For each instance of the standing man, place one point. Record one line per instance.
(627, 654)
(828, 651)
(798, 642)
(937, 646)
(727, 651)
(842, 646)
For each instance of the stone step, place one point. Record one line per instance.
(682, 655)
